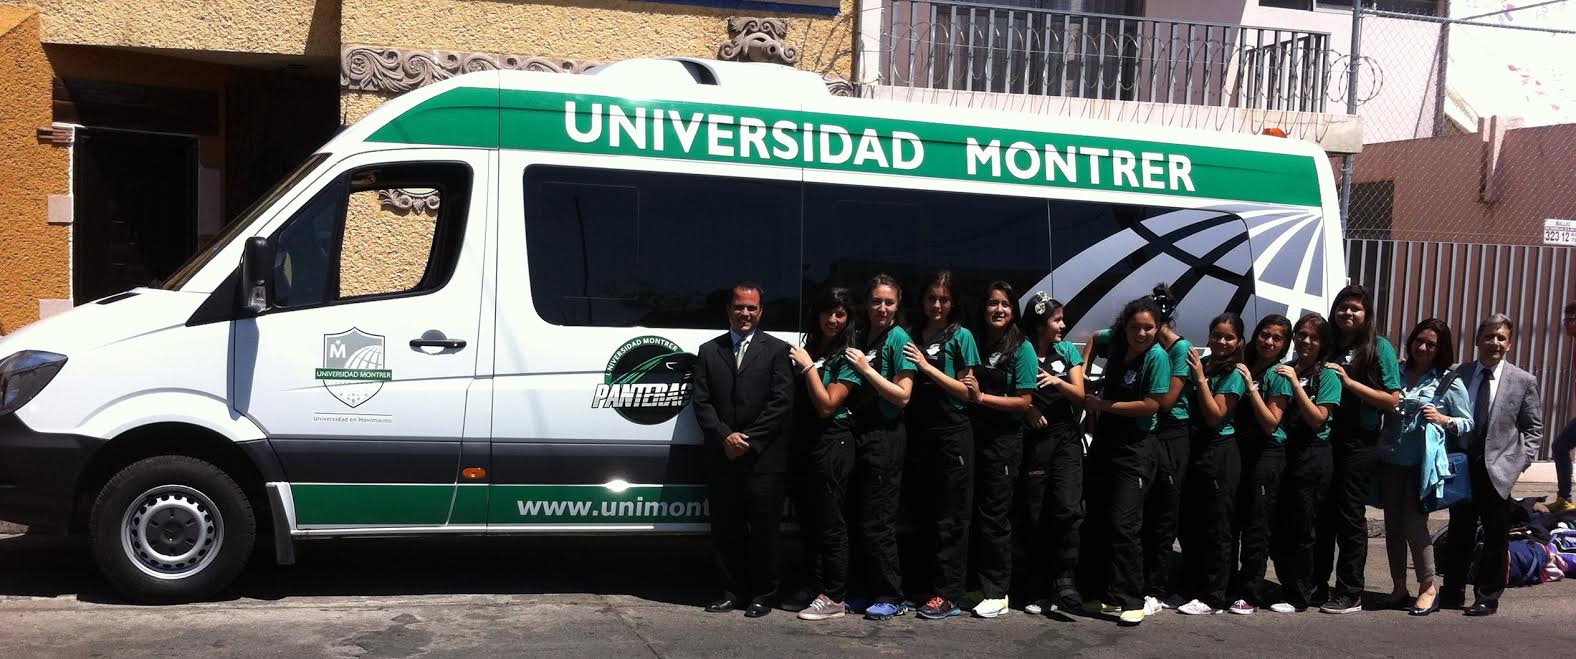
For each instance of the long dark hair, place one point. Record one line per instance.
(943, 279)
(1365, 363)
(1118, 333)
(1253, 360)
(815, 343)
(1445, 353)
(1011, 336)
(1218, 365)
(1321, 327)
(869, 334)
(1040, 309)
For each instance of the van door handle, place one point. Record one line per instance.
(446, 344)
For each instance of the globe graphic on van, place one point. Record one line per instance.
(370, 357)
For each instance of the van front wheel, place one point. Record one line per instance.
(171, 529)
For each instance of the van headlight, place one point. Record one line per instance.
(24, 374)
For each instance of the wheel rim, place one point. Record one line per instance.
(172, 532)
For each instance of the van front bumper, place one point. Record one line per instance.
(38, 474)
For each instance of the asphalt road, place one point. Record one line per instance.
(617, 597)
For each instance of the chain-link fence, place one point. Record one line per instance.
(1467, 171)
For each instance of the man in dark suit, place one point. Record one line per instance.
(743, 398)
(1507, 427)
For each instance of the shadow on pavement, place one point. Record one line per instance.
(673, 570)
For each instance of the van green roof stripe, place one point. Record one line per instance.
(541, 120)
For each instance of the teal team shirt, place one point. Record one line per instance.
(1177, 356)
(888, 360)
(1272, 385)
(1229, 383)
(837, 368)
(1371, 417)
(959, 352)
(1327, 391)
(1152, 376)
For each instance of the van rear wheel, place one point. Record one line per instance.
(171, 529)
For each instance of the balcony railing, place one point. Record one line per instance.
(970, 46)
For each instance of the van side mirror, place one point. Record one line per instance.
(257, 268)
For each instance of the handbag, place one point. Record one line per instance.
(1458, 486)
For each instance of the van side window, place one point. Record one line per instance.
(375, 232)
(854, 232)
(611, 248)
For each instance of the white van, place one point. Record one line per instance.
(473, 311)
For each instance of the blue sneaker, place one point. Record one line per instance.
(854, 604)
(884, 611)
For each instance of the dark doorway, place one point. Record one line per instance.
(135, 210)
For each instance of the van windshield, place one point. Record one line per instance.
(241, 222)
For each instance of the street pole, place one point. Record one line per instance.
(1348, 162)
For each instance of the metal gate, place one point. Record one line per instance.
(1462, 283)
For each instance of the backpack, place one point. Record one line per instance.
(1528, 560)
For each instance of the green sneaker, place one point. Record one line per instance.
(1131, 618)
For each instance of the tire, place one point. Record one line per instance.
(171, 529)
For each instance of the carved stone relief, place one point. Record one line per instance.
(395, 70)
(758, 40)
(422, 201)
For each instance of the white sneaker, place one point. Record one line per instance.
(992, 608)
(1152, 606)
(1197, 608)
(1283, 607)
(1041, 607)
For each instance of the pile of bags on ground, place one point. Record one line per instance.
(1542, 545)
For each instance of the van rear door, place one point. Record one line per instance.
(359, 370)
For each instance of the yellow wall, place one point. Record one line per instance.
(385, 249)
(601, 30)
(289, 27)
(32, 252)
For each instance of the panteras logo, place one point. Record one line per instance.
(647, 381)
(353, 366)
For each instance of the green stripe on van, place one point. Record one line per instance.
(583, 123)
(337, 504)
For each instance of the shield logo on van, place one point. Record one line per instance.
(353, 367)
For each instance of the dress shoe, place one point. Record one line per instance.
(1482, 609)
(757, 609)
(1449, 600)
(1423, 612)
(723, 605)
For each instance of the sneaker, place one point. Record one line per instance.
(1152, 606)
(938, 608)
(1041, 607)
(884, 611)
(1173, 602)
(1285, 607)
(1561, 505)
(1197, 608)
(856, 605)
(1342, 604)
(1243, 608)
(1101, 607)
(993, 608)
(823, 608)
(1131, 618)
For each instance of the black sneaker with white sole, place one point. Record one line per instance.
(1340, 604)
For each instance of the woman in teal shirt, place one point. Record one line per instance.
(1050, 485)
(1000, 387)
(1261, 441)
(1122, 459)
(1308, 463)
(1214, 467)
(938, 482)
(825, 427)
(888, 378)
(1412, 458)
(1371, 386)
